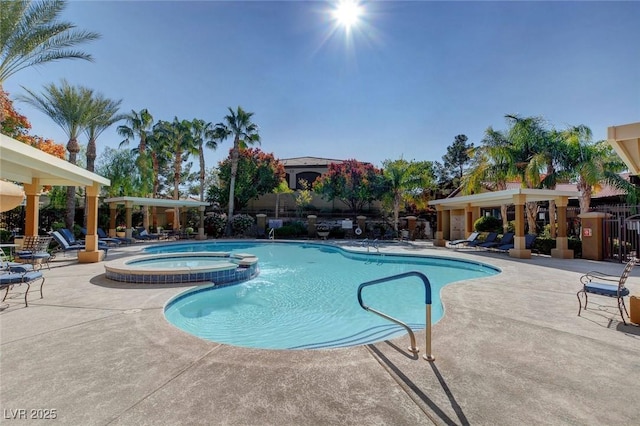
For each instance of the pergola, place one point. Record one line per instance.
(625, 140)
(129, 202)
(469, 206)
(35, 169)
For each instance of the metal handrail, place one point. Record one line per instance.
(365, 243)
(427, 300)
(272, 234)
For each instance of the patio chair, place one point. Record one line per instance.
(474, 236)
(65, 247)
(142, 234)
(35, 251)
(529, 240)
(591, 284)
(107, 240)
(102, 235)
(506, 239)
(491, 237)
(17, 276)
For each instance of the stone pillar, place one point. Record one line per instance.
(91, 254)
(411, 225)
(592, 232)
(261, 223)
(311, 228)
(562, 242)
(439, 237)
(32, 217)
(362, 224)
(128, 208)
(201, 234)
(519, 249)
(113, 213)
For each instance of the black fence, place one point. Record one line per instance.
(621, 231)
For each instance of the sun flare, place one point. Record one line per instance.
(347, 13)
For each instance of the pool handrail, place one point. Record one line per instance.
(427, 287)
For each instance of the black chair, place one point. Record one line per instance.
(591, 285)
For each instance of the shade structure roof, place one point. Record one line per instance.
(157, 202)
(497, 198)
(22, 163)
(625, 140)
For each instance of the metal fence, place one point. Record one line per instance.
(621, 231)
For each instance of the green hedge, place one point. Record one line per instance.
(543, 245)
(488, 224)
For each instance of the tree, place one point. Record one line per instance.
(119, 166)
(282, 188)
(204, 136)
(404, 182)
(353, 182)
(138, 125)
(32, 34)
(103, 114)
(239, 125)
(70, 108)
(457, 157)
(592, 164)
(259, 173)
(179, 141)
(489, 167)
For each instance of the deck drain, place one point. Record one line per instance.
(132, 311)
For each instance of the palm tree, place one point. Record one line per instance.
(204, 136)
(592, 164)
(104, 113)
(31, 34)
(239, 125)
(138, 125)
(70, 108)
(179, 141)
(490, 165)
(404, 181)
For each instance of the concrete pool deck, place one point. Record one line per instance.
(509, 350)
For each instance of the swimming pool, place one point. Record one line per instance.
(305, 296)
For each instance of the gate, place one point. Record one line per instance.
(621, 233)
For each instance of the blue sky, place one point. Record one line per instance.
(410, 78)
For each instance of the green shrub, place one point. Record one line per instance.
(544, 245)
(488, 224)
(241, 223)
(215, 224)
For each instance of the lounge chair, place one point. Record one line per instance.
(17, 276)
(470, 239)
(65, 247)
(70, 238)
(506, 239)
(142, 234)
(35, 251)
(491, 237)
(590, 284)
(103, 235)
(529, 240)
(108, 241)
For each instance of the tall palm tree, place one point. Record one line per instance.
(180, 142)
(31, 34)
(70, 108)
(104, 113)
(204, 136)
(138, 125)
(239, 125)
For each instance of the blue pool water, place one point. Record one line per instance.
(305, 296)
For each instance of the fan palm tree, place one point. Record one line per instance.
(239, 125)
(31, 34)
(70, 108)
(203, 136)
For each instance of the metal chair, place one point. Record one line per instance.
(618, 290)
